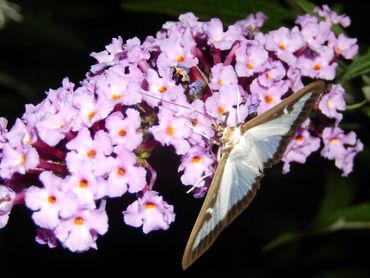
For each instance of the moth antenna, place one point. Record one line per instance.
(238, 105)
(204, 78)
(173, 103)
(198, 182)
(198, 131)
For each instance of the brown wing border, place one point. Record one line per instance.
(190, 255)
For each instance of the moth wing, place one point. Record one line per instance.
(262, 142)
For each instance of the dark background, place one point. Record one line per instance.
(55, 40)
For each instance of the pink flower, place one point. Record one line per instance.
(90, 152)
(217, 37)
(125, 174)
(319, 64)
(340, 147)
(172, 131)
(20, 134)
(120, 88)
(225, 102)
(18, 160)
(316, 34)
(250, 59)
(196, 164)
(7, 199)
(300, 147)
(269, 96)
(251, 23)
(109, 56)
(222, 75)
(150, 212)
(275, 72)
(332, 102)
(343, 45)
(79, 233)
(284, 42)
(177, 50)
(332, 17)
(125, 131)
(50, 202)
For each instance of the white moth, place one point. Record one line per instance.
(244, 153)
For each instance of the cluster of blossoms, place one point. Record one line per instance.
(65, 157)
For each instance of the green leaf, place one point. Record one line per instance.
(359, 66)
(282, 239)
(306, 6)
(228, 11)
(338, 194)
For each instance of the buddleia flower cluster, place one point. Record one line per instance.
(85, 144)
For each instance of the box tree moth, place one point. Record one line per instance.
(245, 151)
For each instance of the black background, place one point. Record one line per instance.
(41, 61)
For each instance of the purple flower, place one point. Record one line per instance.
(332, 17)
(217, 37)
(332, 102)
(109, 56)
(125, 131)
(251, 23)
(177, 50)
(90, 152)
(284, 42)
(161, 88)
(125, 174)
(172, 131)
(19, 159)
(340, 147)
(316, 34)
(318, 64)
(225, 102)
(7, 199)
(196, 164)
(150, 212)
(269, 96)
(50, 203)
(275, 72)
(343, 45)
(79, 233)
(300, 147)
(222, 75)
(3, 132)
(20, 135)
(86, 186)
(250, 59)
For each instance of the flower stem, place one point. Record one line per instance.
(356, 105)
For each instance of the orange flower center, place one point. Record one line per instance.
(299, 138)
(170, 130)
(316, 67)
(78, 221)
(268, 76)
(51, 199)
(333, 140)
(116, 96)
(121, 171)
(27, 139)
(83, 183)
(196, 159)
(282, 46)
(220, 82)
(221, 110)
(149, 205)
(194, 122)
(269, 99)
(249, 65)
(22, 159)
(122, 132)
(91, 115)
(180, 59)
(91, 154)
(162, 89)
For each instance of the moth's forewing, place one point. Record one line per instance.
(193, 252)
